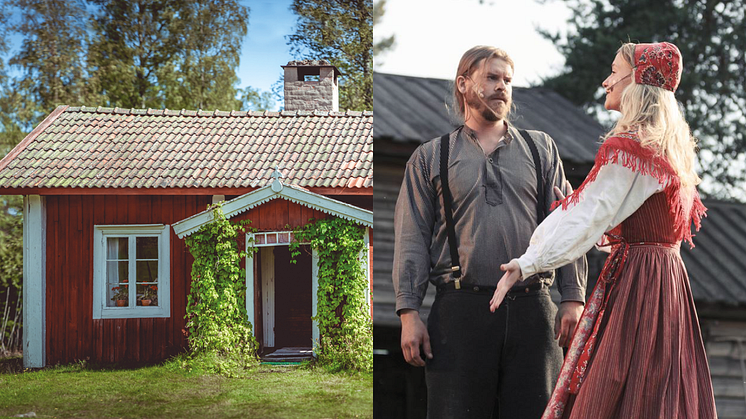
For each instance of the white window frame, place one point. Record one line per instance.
(100, 233)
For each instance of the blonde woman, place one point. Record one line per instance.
(637, 351)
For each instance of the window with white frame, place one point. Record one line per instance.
(131, 271)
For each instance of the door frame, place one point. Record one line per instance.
(272, 239)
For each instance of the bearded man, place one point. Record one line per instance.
(481, 364)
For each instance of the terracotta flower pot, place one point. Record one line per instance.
(145, 302)
(121, 303)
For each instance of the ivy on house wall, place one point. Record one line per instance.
(343, 313)
(220, 336)
(219, 332)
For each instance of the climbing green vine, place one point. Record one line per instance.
(218, 329)
(343, 313)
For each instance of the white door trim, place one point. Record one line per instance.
(250, 288)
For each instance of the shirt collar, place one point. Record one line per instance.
(507, 138)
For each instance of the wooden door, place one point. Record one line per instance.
(292, 298)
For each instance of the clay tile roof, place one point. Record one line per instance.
(95, 147)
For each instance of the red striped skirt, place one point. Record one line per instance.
(649, 360)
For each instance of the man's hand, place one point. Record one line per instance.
(413, 335)
(567, 318)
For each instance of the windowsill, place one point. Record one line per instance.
(133, 313)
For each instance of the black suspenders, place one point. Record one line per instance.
(541, 197)
(447, 205)
(448, 198)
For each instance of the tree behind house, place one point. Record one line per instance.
(341, 32)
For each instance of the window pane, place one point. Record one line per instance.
(147, 247)
(116, 248)
(147, 271)
(116, 284)
(147, 295)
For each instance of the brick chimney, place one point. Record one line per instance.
(311, 85)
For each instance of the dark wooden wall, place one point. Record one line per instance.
(72, 333)
(277, 214)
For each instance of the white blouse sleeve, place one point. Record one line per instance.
(566, 234)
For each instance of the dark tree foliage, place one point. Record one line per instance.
(210, 33)
(341, 32)
(50, 60)
(711, 35)
(134, 41)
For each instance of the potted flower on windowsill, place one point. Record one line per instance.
(121, 295)
(149, 294)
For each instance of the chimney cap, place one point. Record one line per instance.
(312, 63)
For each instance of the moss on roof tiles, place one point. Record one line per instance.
(92, 148)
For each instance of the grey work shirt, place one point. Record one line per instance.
(494, 211)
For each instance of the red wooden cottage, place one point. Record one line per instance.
(110, 193)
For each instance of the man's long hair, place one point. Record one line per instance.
(470, 61)
(654, 112)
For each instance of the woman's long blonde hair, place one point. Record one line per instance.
(655, 114)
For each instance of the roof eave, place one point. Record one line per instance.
(172, 191)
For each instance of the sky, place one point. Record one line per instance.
(265, 48)
(431, 36)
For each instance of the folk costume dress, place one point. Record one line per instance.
(637, 351)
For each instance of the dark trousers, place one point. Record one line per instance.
(491, 365)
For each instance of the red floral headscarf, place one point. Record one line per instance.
(658, 65)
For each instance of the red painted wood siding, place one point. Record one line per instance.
(72, 333)
(276, 214)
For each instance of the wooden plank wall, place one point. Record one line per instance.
(279, 213)
(72, 333)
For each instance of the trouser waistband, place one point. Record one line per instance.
(536, 286)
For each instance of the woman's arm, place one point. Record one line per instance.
(567, 233)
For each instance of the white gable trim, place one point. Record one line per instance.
(258, 197)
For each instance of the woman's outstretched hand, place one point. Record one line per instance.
(511, 276)
(558, 191)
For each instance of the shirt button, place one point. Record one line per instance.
(490, 159)
(526, 290)
(476, 288)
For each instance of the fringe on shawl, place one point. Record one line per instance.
(626, 150)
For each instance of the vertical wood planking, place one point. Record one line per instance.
(63, 273)
(85, 315)
(146, 332)
(294, 215)
(283, 214)
(120, 339)
(181, 206)
(171, 207)
(75, 274)
(53, 305)
(98, 340)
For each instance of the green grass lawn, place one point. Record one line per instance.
(270, 391)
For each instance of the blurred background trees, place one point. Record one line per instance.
(711, 35)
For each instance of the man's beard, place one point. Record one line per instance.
(480, 105)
